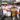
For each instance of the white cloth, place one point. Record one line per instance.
(13, 18)
(4, 12)
(9, 13)
(17, 10)
(18, 16)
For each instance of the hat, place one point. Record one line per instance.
(4, 2)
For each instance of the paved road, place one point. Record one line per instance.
(8, 18)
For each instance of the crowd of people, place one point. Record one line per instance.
(10, 10)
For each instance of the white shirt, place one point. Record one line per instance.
(3, 7)
(4, 11)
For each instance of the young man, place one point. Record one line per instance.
(13, 12)
(4, 8)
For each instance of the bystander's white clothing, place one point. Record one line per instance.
(4, 10)
(18, 16)
(18, 11)
(9, 13)
(13, 18)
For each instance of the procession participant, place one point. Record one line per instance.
(9, 10)
(13, 12)
(18, 12)
(4, 8)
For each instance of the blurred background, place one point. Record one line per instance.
(16, 4)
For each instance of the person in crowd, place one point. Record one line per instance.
(13, 11)
(4, 8)
(18, 11)
(9, 10)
